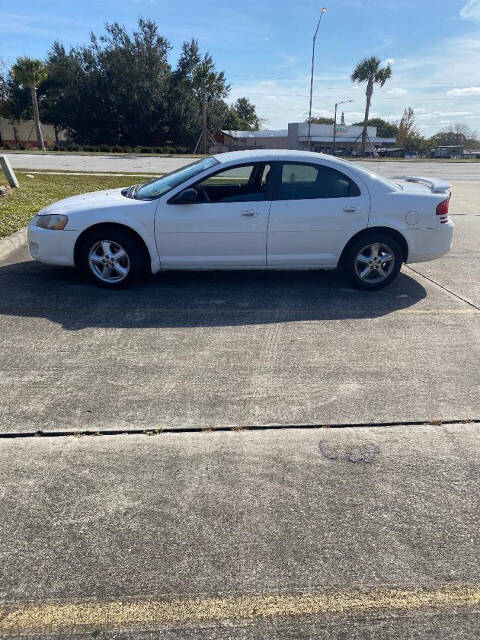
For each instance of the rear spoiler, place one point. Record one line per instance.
(437, 186)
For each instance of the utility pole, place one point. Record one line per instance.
(36, 117)
(324, 10)
(204, 123)
(335, 124)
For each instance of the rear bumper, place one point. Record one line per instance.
(429, 244)
(52, 247)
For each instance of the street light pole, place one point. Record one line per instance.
(335, 124)
(324, 10)
(335, 129)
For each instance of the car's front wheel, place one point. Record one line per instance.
(373, 261)
(113, 258)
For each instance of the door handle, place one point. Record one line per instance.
(350, 209)
(249, 214)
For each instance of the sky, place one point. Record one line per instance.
(264, 47)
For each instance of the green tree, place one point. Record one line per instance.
(113, 90)
(458, 134)
(119, 88)
(321, 120)
(371, 72)
(384, 129)
(184, 117)
(210, 87)
(408, 135)
(407, 128)
(247, 112)
(30, 73)
(196, 98)
(242, 116)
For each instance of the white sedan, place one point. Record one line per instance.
(250, 210)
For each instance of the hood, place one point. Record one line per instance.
(95, 200)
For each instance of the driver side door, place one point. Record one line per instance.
(227, 227)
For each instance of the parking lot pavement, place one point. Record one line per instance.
(313, 527)
(189, 350)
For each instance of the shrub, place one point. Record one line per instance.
(105, 147)
(73, 147)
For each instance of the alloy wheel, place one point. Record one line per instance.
(374, 263)
(109, 261)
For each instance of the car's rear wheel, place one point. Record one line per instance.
(113, 258)
(373, 261)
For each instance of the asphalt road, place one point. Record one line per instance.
(359, 532)
(151, 164)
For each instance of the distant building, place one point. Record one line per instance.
(391, 152)
(348, 139)
(447, 151)
(22, 132)
(471, 154)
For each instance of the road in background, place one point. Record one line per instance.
(155, 164)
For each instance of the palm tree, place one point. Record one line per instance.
(30, 73)
(370, 71)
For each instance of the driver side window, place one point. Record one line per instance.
(246, 183)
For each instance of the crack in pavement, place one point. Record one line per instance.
(227, 428)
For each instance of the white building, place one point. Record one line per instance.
(347, 138)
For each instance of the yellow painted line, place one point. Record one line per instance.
(53, 618)
(438, 311)
(349, 312)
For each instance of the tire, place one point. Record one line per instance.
(366, 262)
(112, 258)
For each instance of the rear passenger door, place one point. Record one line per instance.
(315, 211)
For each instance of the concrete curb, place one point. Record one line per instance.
(12, 242)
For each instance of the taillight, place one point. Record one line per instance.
(442, 211)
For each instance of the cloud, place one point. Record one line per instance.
(397, 92)
(465, 91)
(471, 11)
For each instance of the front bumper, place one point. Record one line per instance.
(50, 246)
(429, 244)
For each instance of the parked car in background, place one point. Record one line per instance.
(250, 210)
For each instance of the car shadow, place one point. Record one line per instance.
(195, 298)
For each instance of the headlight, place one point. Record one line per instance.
(51, 221)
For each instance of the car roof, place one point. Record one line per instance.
(257, 155)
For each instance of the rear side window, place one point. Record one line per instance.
(308, 182)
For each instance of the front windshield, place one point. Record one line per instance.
(160, 186)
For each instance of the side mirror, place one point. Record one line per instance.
(188, 196)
